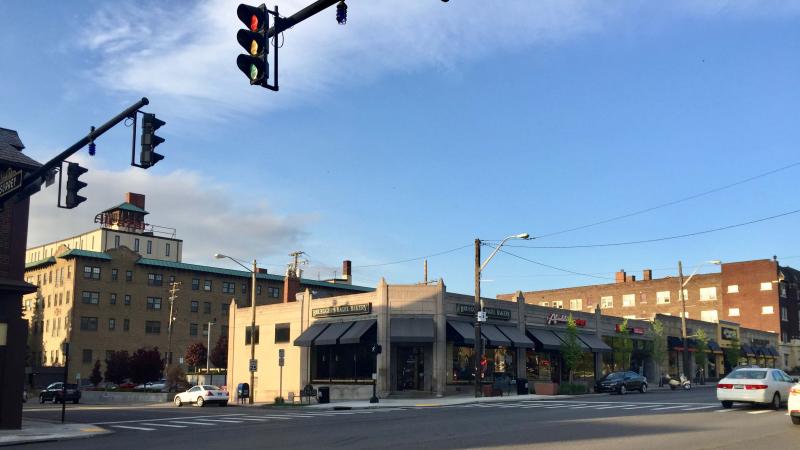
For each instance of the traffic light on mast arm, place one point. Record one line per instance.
(74, 171)
(149, 141)
(254, 41)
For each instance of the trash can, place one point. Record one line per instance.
(324, 394)
(522, 386)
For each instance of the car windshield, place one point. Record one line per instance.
(615, 376)
(210, 388)
(748, 374)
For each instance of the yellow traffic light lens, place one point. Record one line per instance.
(253, 72)
(253, 48)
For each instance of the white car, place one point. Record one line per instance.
(794, 403)
(201, 395)
(754, 385)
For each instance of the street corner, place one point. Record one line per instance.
(35, 431)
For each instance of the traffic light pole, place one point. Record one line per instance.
(282, 24)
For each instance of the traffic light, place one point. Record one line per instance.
(74, 171)
(254, 41)
(150, 124)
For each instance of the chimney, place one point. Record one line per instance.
(291, 286)
(620, 278)
(135, 199)
(647, 275)
(346, 271)
(631, 278)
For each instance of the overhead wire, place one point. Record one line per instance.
(561, 269)
(415, 259)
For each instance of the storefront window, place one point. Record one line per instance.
(540, 366)
(342, 363)
(463, 364)
(499, 363)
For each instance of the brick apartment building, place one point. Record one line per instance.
(758, 294)
(108, 290)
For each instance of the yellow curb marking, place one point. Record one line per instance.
(428, 405)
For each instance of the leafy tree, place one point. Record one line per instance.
(95, 377)
(701, 355)
(219, 354)
(176, 377)
(571, 350)
(623, 348)
(659, 351)
(195, 354)
(118, 367)
(146, 365)
(732, 353)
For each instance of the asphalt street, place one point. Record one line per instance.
(654, 420)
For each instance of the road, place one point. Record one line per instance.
(654, 420)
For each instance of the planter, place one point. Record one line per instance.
(545, 388)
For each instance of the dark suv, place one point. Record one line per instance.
(622, 382)
(55, 393)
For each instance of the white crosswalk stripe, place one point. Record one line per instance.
(133, 428)
(162, 425)
(192, 423)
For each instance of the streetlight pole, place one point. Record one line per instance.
(684, 335)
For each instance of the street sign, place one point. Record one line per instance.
(253, 365)
(481, 316)
(10, 183)
(281, 354)
(280, 362)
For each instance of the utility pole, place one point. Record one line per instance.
(294, 267)
(425, 268)
(683, 322)
(173, 295)
(478, 308)
(253, 332)
(208, 347)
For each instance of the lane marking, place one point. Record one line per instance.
(194, 423)
(277, 417)
(163, 425)
(614, 406)
(724, 410)
(668, 407)
(220, 420)
(763, 411)
(650, 406)
(252, 419)
(696, 408)
(133, 428)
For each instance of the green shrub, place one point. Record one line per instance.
(571, 388)
(279, 400)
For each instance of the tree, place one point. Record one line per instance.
(660, 352)
(118, 367)
(623, 347)
(176, 377)
(195, 354)
(95, 377)
(571, 350)
(219, 354)
(701, 355)
(733, 353)
(146, 365)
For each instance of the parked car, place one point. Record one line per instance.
(621, 383)
(55, 393)
(755, 385)
(794, 403)
(152, 386)
(201, 395)
(127, 385)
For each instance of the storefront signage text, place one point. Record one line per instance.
(343, 310)
(630, 330)
(556, 318)
(729, 333)
(491, 313)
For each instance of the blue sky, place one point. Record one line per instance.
(420, 126)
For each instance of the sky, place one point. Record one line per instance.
(420, 126)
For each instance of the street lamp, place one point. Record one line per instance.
(253, 321)
(208, 347)
(683, 308)
(480, 316)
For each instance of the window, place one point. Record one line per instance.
(576, 304)
(114, 274)
(67, 297)
(171, 279)
(783, 290)
(154, 303)
(685, 294)
(558, 304)
(274, 292)
(248, 332)
(194, 306)
(766, 286)
(195, 284)
(784, 314)
(258, 289)
(192, 329)
(90, 272)
(281, 333)
(126, 324)
(686, 314)
(709, 316)
(206, 307)
(356, 362)
(112, 324)
(607, 302)
(244, 288)
(136, 244)
(708, 293)
(90, 298)
(112, 299)
(166, 250)
(207, 285)
(149, 247)
(228, 287)
(628, 300)
(152, 327)
(544, 303)
(88, 323)
(767, 310)
(155, 279)
(223, 309)
(127, 300)
(733, 312)
(662, 297)
(116, 241)
(733, 288)
(87, 356)
(128, 275)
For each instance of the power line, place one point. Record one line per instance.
(554, 267)
(417, 258)
(665, 238)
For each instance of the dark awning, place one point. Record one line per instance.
(773, 352)
(759, 351)
(516, 336)
(714, 347)
(354, 334)
(545, 338)
(412, 330)
(563, 336)
(465, 330)
(594, 342)
(494, 337)
(332, 334)
(747, 350)
(306, 338)
(676, 343)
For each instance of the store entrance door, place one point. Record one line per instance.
(410, 368)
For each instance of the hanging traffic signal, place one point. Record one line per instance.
(74, 171)
(254, 41)
(150, 124)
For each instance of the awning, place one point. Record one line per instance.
(773, 352)
(714, 347)
(465, 330)
(545, 338)
(413, 330)
(306, 338)
(354, 334)
(676, 343)
(747, 350)
(759, 351)
(594, 342)
(331, 334)
(563, 336)
(517, 337)
(494, 337)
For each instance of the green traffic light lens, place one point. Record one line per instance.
(253, 72)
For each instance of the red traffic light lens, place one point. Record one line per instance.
(254, 23)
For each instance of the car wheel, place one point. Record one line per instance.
(622, 390)
(776, 401)
(41, 398)
(727, 404)
(178, 402)
(55, 400)
(200, 401)
(643, 389)
(796, 420)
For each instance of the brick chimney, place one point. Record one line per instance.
(647, 275)
(620, 277)
(631, 278)
(346, 271)
(291, 287)
(135, 199)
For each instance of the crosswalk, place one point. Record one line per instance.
(654, 407)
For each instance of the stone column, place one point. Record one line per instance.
(598, 357)
(382, 312)
(440, 343)
(522, 356)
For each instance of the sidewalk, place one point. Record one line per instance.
(39, 431)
